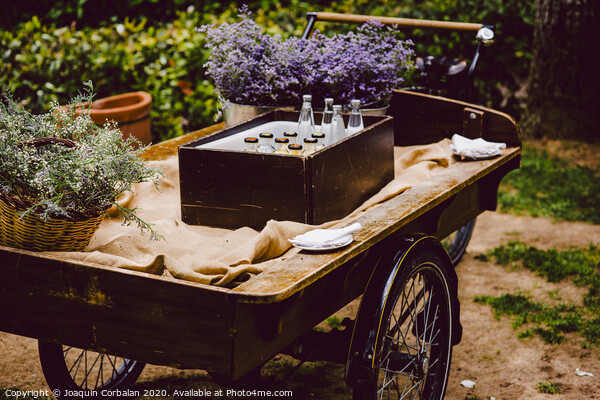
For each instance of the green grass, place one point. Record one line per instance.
(551, 321)
(547, 186)
(549, 387)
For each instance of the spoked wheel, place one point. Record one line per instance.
(456, 243)
(71, 372)
(413, 347)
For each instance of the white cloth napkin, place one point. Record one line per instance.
(326, 238)
(475, 148)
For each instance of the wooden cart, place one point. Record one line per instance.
(401, 339)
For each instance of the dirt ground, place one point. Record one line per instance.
(490, 354)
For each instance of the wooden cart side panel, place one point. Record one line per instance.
(263, 330)
(422, 119)
(134, 315)
(234, 189)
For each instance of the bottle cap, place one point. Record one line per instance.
(355, 102)
(290, 134)
(307, 97)
(251, 140)
(266, 135)
(337, 107)
(310, 140)
(282, 140)
(318, 135)
(295, 147)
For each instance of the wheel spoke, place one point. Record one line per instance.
(426, 316)
(414, 346)
(100, 376)
(89, 371)
(77, 363)
(69, 368)
(413, 316)
(91, 368)
(113, 364)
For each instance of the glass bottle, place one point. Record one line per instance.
(306, 122)
(327, 117)
(320, 136)
(355, 122)
(292, 136)
(295, 149)
(265, 143)
(250, 144)
(308, 98)
(338, 129)
(281, 145)
(310, 145)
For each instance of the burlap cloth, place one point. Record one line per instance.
(219, 256)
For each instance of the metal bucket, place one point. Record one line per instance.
(234, 113)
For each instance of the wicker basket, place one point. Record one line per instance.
(31, 232)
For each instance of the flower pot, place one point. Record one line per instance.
(130, 110)
(375, 111)
(234, 114)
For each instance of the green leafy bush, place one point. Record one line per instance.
(41, 64)
(43, 59)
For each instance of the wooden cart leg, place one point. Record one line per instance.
(76, 373)
(407, 324)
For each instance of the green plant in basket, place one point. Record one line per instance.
(59, 167)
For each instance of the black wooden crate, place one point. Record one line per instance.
(231, 188)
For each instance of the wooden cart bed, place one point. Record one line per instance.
(231, 331)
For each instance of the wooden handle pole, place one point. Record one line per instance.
(407, 22)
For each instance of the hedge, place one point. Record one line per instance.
(41, 63)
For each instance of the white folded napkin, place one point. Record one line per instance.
(326, 238)
(475, 148)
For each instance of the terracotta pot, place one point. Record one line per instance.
(130, 110)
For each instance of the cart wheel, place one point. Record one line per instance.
(405, 349)
(69, 369)
(456, 243)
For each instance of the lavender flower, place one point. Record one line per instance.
(248, 66)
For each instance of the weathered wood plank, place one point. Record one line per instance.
(422, 119)
(169, 148)
(133, 314)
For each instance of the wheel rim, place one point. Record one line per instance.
(91, 371)
(415, 351)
